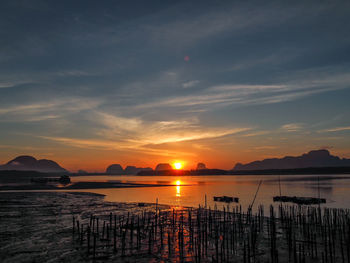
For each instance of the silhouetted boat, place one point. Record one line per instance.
(64, 179)
(226, 199)
(299, 200)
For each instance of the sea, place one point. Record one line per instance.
(192, 191)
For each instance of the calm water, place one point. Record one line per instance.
(191, 190)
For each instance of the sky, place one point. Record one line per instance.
(91, 83)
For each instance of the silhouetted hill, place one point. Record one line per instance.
(316, 158)
(201, 166)
(132, 170)
(29, 163)
(115, 169)
(163, 167)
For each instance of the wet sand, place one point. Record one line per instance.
(36, 226)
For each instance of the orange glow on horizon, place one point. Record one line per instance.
(97, 161)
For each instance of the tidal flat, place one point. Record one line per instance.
(82, 227)
(37, 226)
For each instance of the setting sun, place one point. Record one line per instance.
(178, 165)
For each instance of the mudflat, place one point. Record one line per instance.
(37, 226)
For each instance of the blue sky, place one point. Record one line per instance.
(89, 83)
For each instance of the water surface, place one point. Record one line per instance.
(191, 190)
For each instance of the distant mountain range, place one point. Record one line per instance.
(117, 169)
(29, 163)
(316, 158)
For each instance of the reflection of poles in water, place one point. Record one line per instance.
(256, 193)
(279, 183)
(205, 201)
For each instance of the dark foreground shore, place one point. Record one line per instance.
(36, 226)
(81, 227)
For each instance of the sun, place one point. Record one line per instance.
(178, 165)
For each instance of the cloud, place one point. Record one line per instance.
(190, 84)
(136, 135)
(208, 98)
(225, 94)
(257, 133)
(186, 31)
(292, 127)
(337, 129)
(40, 111)
(12, 83)
(112, 145)
(73, 73)
(138, 132)
(220, 96)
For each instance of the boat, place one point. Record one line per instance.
(300, 200)
(64, 179)
(226, 199)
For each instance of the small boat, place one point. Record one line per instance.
(64, 179)
(226, 199)
(299, 200)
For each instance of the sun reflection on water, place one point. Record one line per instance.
(178, 188)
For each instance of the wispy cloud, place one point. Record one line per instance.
(255, 133)
(139, 132)
(12, 83)
(115, 146)
(134, 134)
(224, 95)
(337, 129)
(292, 127)
(47, 110)
(190, 84)
(189, 30)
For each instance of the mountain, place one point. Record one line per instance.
(29, 163)
(114, 169)
(132, 170)
(201, 166)
(117, 169)
(316, 158)
(163, 166)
